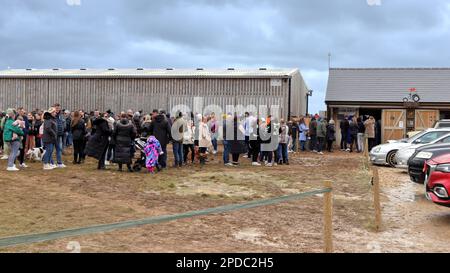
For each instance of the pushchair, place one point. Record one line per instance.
(139, 144)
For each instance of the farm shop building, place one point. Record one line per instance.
(388, 95)
(148, 89)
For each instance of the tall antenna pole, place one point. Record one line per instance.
(329, 60)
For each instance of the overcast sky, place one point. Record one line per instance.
(220, 34)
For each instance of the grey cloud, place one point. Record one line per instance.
(248, 33)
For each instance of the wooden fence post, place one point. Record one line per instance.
(328, 218)
(366, 152)
(366, 145)
(376, 198)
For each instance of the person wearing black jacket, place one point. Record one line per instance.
(32, 133)
(353, 134)
(237, 143)
(255, 142)
(37, 128)
(98, 143)
(123, 138)
(294, 133)
(160, 128)
(49, 137)
(344, 126)
(331, 135)
(78, 132)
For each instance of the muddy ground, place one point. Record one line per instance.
(33, 201)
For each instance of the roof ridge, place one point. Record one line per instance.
(391, 68)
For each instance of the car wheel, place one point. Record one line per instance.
(390, 159)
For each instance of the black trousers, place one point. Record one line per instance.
(77, 150)
(330, 145)
(101, 162)
(22, 150)
(353, 142)
(2, 146)
(187, 148)
(38, 142)
(202, 151)
(255, 148)
(128, 166)
(162, 159)
(235, 158)
(371, 143)
(343, 141)
(249, 147)
(268, 156)
(83, 148)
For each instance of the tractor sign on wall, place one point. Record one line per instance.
(413, 96)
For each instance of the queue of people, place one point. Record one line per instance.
(353, 129)
(110, 138)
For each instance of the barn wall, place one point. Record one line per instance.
(150, 93)
(298, 95)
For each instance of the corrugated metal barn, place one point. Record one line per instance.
(147, 89)
(388, 95)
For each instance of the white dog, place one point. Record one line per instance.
(36, 154)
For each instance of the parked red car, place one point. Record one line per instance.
(437, 180)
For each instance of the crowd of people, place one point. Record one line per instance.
(110, 138)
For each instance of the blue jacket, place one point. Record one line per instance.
(60, 124)
(303, 131)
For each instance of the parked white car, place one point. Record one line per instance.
(384, 154)
(403, 155)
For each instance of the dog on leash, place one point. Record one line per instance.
(36, 154)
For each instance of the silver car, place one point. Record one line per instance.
(384, 154)
(403, 155)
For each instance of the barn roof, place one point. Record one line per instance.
(149, 73)
(387, 84)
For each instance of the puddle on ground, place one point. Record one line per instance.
(256, 236)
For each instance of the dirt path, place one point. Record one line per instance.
(410, 222)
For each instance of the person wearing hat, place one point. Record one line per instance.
(331, 135)
(14, 144)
